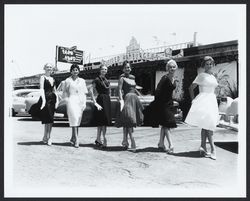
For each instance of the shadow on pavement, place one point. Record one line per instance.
(190, 154)
(150, 149)
(31, 143)
(229, 146)
(111, 148)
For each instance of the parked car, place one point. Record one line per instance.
(88, 113)
(18, 100)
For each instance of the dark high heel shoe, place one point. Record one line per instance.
(162, 148)
(98, 143)
(125, 145)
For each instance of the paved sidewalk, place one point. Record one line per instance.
(61, 165)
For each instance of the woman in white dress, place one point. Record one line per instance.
(75, 91)
(204, 111)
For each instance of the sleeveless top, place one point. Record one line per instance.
(129, 84)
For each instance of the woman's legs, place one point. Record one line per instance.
(211, 142)
(75, 135)
(46, 135)
(130, 132)
(49, 127)
(98, 137)
(125, 137)
(161, 140)
(203, 139)
(104, 129)
(45, 139)
(170, 144)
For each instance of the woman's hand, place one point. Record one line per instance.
(43, 104)
(98, 106)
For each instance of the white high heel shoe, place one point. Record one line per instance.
(203, 152)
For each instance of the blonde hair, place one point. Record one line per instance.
(171, 61)
(46, 65)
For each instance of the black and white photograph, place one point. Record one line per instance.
(124, 100)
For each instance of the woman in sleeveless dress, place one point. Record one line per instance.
(204, 112)
(102, 114)
(161, 111)
(75, 91)
(47, 103)
(131, 108)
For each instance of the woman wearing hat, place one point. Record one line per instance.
(204, 112)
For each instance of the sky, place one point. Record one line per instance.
(32, 32)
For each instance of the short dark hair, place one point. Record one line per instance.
(74, 66)
(125, 63)
(102, 66)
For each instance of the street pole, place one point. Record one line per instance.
(56, 59)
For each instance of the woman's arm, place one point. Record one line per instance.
(191, 90)
(57, 97)
(42, 92)
(120, 83)
(91, 90)
(65, 89)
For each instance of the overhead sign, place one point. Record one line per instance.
(68, 55)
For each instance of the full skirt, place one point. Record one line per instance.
(204, 112)
(160, 113)
(131, 114)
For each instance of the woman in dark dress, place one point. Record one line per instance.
(102, 114)
(47, 102)
(161, 110)
(131, 108)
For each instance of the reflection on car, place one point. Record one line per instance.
(88, 113)
(18, 100)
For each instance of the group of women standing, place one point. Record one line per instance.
(203, 112)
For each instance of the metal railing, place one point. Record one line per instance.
(149, 50)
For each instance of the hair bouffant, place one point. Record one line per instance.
(125, 63)
(207, 58)
(74, 66)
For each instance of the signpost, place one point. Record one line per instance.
(69, 55)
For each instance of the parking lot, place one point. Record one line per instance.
(47, 167)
